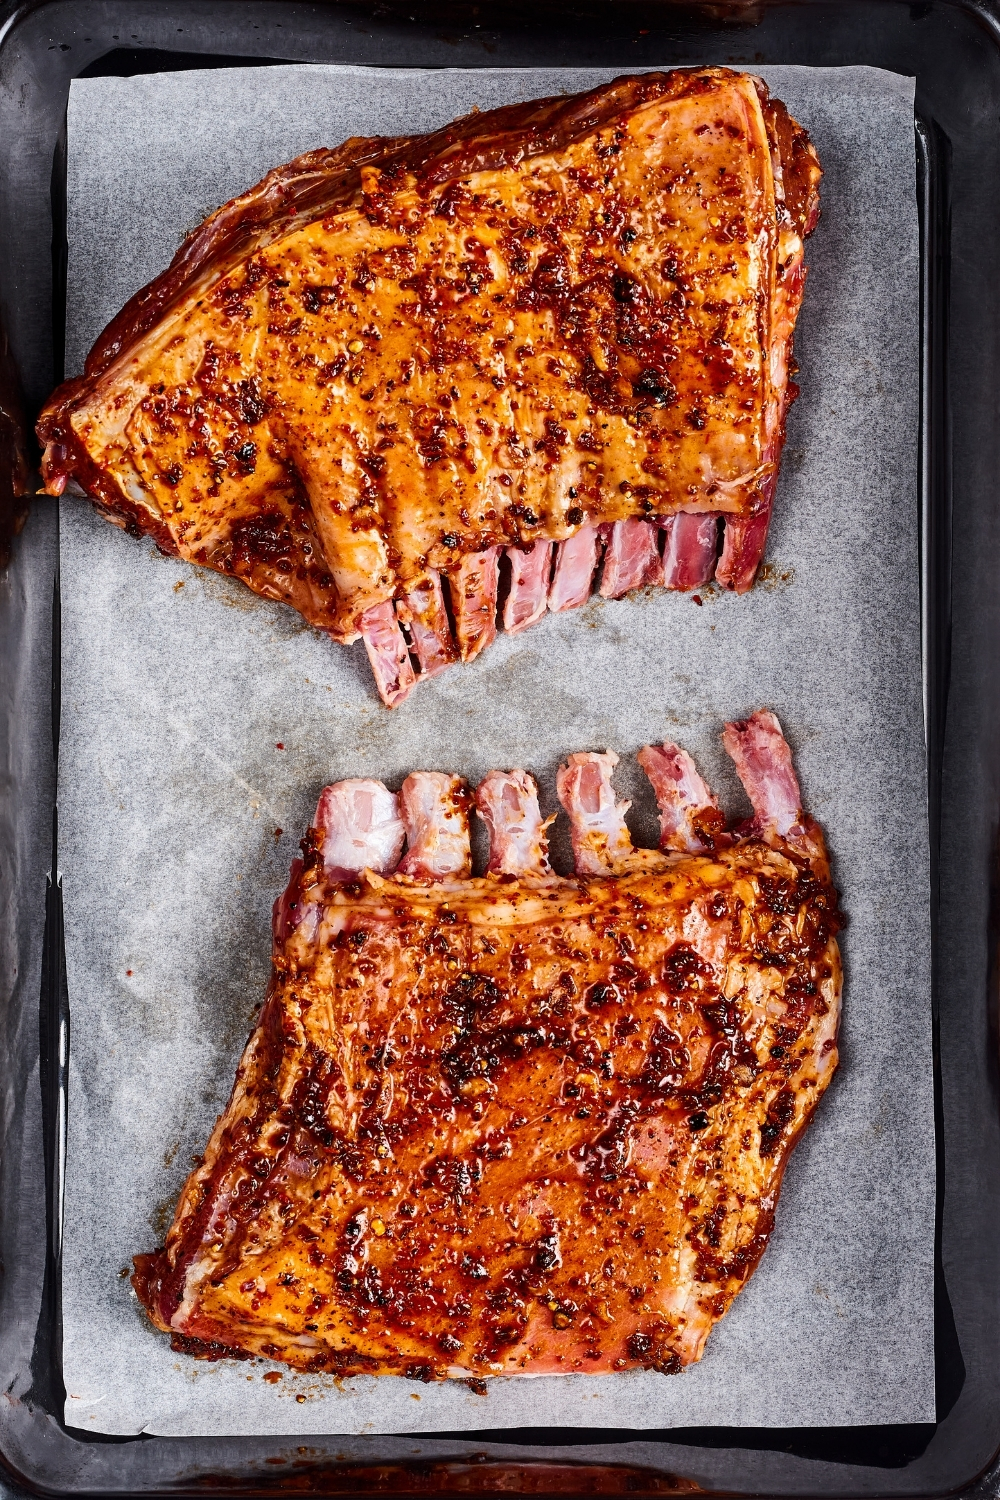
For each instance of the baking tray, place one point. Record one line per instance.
(953, 49)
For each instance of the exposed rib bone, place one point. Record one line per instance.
(576, 564)
(529, 585)
(507, 802)
(435, 812)
(632, 558)
(690, 550)
(601, 842)
(360, 829)
(764, 765)
(743, 543)
(388, 653)
(689, 813)
(474, 601)
(424, 615)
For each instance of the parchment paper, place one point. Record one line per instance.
(179, 812)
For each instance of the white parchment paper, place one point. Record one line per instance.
(200, 722)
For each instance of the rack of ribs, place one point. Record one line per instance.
(521, 1123)
(412, 386)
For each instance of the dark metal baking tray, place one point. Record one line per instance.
(953, 49)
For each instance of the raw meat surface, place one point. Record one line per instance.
(521, 1123)
(474, 601)
(389, 361)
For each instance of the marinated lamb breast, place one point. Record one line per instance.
(400, 380)
(520, 1123)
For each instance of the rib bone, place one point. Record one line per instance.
(359, 828)
(388, 653)
(424, 615)
(764, 765)
(576, 564)
(632, 559)
(474, 601)
(687, 806)
(529, 585)
(435, 813)
(690, 550)
(507, 802)
(602, 845)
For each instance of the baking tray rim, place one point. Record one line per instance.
(925, 131)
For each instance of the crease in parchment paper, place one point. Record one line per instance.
(179, 814)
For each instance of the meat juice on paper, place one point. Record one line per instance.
(174, 793)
